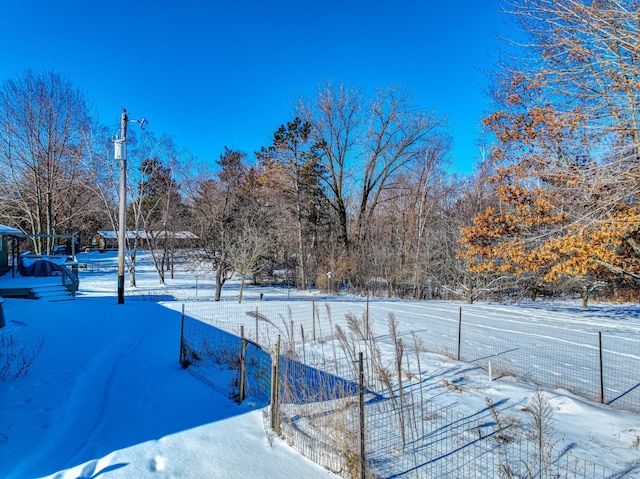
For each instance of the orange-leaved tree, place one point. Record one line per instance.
(568, 139)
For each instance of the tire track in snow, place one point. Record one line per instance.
(98, 418)
(89, 394)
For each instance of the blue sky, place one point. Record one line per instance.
(215, 73)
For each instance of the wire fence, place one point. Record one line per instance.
(339, 400)
(98, 267)
(589, 358)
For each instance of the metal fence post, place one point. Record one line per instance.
(182, 363)
(366, 320)
(275, 390)
(257, 342)
(243, 348)
(601, 373)
(363, 462)
(459, 331)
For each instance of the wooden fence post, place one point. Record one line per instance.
(243, 349)
(313, 316)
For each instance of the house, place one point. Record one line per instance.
(32, 275)
(178, 239)
(104, 240)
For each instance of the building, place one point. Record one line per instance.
(105, 240)
(35, 276)
(6, 232)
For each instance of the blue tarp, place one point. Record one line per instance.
(39, 268)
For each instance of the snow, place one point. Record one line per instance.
(106, 396)
(8, 230)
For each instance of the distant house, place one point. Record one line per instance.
(109, 239)
(5, 233)
(179, 239)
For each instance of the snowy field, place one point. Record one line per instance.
(106, 397)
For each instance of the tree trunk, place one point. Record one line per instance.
(301, 252)
(241, 289)
(132, 275)
(219, 280)
(585, 297)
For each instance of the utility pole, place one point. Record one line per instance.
(121, 154)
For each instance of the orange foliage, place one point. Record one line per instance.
(558, 124)
(531, 232)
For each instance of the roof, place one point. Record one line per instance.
(152, 234)
(8, 230)
(170, 234)
(114, 234)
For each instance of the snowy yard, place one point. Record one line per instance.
(524, 346)
(106, 396)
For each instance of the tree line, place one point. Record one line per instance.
(355, 192)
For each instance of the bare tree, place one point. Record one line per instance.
(397, 136)
(366, 145)
(247, 252)
(43, 118)
(336, 117)
(158, 203)
(219, 203)
(145, 197)
(408, 233)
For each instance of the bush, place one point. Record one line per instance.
(16, 357)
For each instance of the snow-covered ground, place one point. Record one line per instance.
(106, 397)
(510, 349)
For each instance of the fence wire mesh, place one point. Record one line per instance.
(406, 434)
